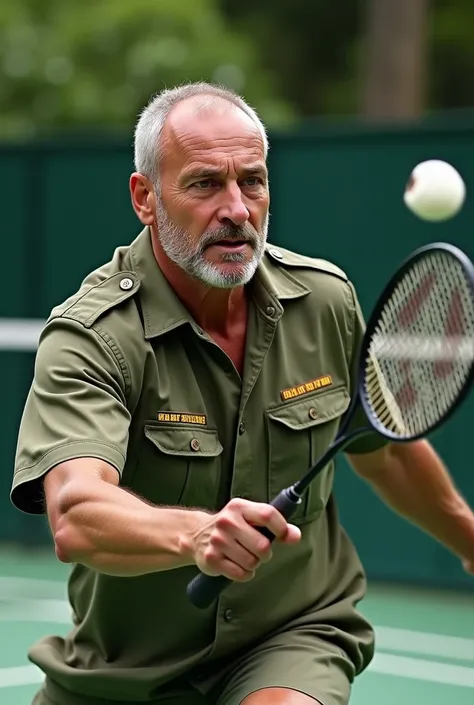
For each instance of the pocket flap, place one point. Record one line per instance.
(312, 410)
(196, 442)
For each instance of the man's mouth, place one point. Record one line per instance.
(231, 245)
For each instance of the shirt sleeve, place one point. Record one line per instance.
(373, 440)
(76, 407)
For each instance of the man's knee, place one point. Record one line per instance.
(278, 696)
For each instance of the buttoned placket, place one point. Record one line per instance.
(267, 317)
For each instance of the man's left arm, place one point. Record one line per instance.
(413, 481)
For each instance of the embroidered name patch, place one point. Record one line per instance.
(305, 388)
(174, 417)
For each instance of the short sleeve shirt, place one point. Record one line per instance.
(123, 373)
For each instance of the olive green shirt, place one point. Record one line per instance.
(124, 374)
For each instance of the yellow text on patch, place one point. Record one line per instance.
(175, 417)
(305, 388)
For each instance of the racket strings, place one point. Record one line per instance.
(422, 350)
(382, 400)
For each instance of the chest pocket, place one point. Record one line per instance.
(179, 466)
(299, 432)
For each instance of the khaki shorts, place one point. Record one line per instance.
(298, 660)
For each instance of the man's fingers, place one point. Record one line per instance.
(293, 534)
(236, 537)
(265, 515)
(232, 544)
(230, 570)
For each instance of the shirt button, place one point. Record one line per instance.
(195, 445)
(270, 310)
(312, 413)
(229, 615)
(126, 284)
(241, 428)
(276, 253)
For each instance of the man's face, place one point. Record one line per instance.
(212, 210)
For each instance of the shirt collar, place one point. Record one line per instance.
(163, 311)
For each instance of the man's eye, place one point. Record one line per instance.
(204, 184)
(253, 181)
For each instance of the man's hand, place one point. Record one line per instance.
(229, 544)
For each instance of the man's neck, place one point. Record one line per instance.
(214, 310)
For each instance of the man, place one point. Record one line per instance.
(188, 381)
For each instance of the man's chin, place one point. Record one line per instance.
(226, 275)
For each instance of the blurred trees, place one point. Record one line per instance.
(93, 63)
(66, 64)
(335, 58)
(452, 54)
(311, 46)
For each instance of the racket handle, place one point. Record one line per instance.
(203, 590)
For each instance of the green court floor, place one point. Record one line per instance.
(425, 639)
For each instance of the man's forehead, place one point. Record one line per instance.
(195, 125)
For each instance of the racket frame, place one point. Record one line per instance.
(373, 321)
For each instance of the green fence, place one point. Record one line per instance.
(336, 193)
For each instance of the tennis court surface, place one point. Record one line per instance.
(425, 651)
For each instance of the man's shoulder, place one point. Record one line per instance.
(295, 260)
(325, 284)
(103, 290)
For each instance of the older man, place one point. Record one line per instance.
(188, 381)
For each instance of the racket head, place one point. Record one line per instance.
(416, 363)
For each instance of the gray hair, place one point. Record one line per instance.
(147, 149)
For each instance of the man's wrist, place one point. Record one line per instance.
(193, 521)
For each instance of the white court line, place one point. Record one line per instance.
(383, 664)
(42, 611)
(422, 670)
(425, 643)
(36, 600)
(46, 601)
(20, 675)
(20, 333)
(32, 588)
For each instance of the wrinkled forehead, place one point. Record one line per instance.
(213, 131)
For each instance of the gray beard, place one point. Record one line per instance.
(176, 243)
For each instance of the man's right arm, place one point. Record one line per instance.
(99, 524)
(71, 450)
